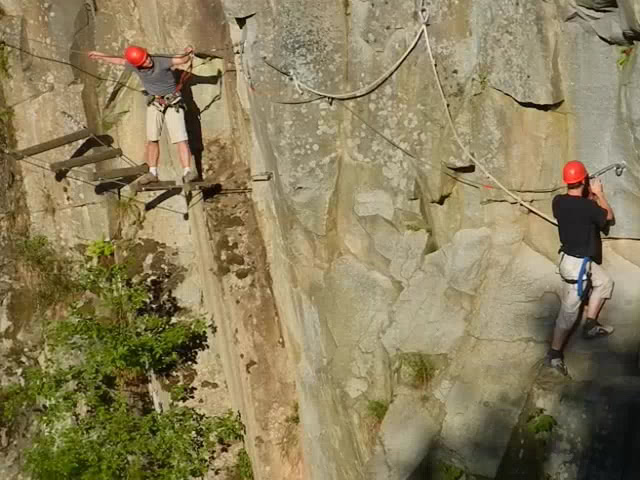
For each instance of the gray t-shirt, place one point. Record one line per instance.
(159, 79)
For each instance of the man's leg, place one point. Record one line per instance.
(570, 307)
(565, 320)
(178, 134)
(152, 146)
(185, 154)
(601, 289)
(153, 153)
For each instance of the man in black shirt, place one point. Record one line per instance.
(581, 216)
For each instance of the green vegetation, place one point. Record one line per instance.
(540, 424)
(229, 428)
(242, 469)
(89, 404)
(377, 409)
(420, 368)
(450, 472)
(624, 56)
(4, 60)
(100, 248)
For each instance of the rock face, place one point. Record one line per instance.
(376, 242)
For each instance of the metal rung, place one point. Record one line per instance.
(51, 144)
(86, 159)
(262, 177)
(120, 172)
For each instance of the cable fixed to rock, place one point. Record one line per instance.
(361, 91)
(424, 14)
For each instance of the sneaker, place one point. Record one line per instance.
(596, 331)
(147, 178)
(189, 177)
(557, 364)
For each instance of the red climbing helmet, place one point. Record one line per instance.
(136, 56)
(574, 172)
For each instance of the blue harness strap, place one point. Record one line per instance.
(583, 271)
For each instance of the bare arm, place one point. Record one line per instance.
(598, 193)
(106, 58)
(184, 58)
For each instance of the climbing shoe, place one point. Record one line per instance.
(189, 177)
(557, 364)
(596, 330)
(147, 178)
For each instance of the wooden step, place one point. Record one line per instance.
(86, 159)
(155, 186)
(120, 172)
(51, 144)
(172, 185)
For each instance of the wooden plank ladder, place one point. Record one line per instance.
(51, 144)
(172, 185)
(105, 153)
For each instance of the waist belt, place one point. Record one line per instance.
(163, 102)
(581, 274)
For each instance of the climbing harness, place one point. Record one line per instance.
(174, 99)
(584, 275)
(583, 267)
(165, 102)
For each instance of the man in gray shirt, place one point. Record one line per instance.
(165, 104)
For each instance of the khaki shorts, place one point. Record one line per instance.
(174, 118)
(601, 288)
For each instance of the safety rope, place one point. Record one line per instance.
(361, 91)
(424, 14)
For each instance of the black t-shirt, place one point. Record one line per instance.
(580, 221)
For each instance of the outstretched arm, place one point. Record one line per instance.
(106, 58)
(184, 58)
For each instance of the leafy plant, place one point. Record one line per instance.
(4, 61)
(421, 369)
(377, 409)
(242, 469)
(624, 56)
(450, 472)
(90, 404)
(99, 249)
(540, 424)
(229, 427)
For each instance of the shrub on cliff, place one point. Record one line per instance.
(90, 402)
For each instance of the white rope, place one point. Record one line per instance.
(425, 16)
(367, 89)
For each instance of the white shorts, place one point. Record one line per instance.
(174, 118)
(601, 288)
